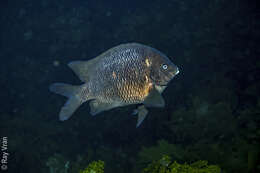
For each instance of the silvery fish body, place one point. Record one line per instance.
(126, 74)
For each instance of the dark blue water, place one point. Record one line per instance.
(212, 107)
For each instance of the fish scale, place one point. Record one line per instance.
(126, 74)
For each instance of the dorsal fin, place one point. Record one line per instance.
(81, 69)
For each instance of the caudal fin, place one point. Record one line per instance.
(73, 102)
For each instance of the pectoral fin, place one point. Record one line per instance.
(142, 112)
(154, 99)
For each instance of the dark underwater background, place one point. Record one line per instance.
(212, 108)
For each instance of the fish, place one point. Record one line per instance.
(127, 74)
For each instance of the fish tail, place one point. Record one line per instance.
(74, 99)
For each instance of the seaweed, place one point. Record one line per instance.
(94, 167)
(166, 165)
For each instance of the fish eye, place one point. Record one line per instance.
(165, 66)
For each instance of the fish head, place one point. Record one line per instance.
(162, 69)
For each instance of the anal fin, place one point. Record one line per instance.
(97, 106)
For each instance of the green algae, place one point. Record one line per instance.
(94, 167)
(159, 166)
(148, 154)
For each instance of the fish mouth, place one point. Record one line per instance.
(177, 71)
